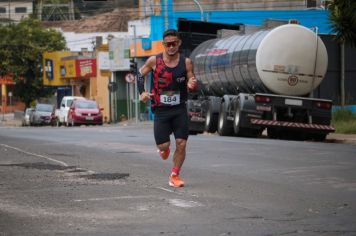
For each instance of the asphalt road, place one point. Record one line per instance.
(110, 181)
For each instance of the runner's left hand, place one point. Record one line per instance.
(192, 84)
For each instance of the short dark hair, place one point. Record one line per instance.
(171, 32)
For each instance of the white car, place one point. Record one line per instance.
(62, 113)
(26, 117)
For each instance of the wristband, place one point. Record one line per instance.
(140, 83)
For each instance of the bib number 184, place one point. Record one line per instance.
(170, 100)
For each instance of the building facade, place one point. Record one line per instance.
(15, 10)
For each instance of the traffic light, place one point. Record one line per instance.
(133, 65)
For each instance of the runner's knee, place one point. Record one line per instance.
(181, 144)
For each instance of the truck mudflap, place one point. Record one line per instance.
(286, 124)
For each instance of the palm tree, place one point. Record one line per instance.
(343, 24)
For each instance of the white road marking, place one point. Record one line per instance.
(184, 203)
(36, 155)
(112, 198)
(168, 190)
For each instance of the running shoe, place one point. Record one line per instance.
(175, 181)
(164, 154)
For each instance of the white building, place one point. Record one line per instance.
(15, 10)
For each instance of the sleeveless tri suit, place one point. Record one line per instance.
(169, 100)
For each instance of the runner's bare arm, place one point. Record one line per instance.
(192, 81)
(143, 71)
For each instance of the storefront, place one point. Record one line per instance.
(9, 103)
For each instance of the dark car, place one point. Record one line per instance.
(42, 114)
(85, 112)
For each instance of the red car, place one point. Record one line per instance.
(84, 112)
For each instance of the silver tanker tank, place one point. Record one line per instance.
(287, 60)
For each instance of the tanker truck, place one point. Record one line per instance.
(264, 80)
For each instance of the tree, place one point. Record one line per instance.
(21, 49)
(343, 24)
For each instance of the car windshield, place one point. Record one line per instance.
(28, 111)
(86, 104)
(44, 107)
(69, 102)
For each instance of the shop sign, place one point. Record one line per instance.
(104, 61)
(86, 68)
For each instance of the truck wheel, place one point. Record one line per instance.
(237, 125)
(211, 120)
(225, 126)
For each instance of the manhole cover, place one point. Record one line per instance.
(40, 166)
(106, 176)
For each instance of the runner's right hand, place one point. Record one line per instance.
(145, 96)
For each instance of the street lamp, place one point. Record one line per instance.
(201, 10)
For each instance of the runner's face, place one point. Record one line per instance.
(171, 45)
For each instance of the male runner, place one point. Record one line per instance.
(172, 77)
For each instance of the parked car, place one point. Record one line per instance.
(85, 112)
(42, 114)
(61, 114)
(26, 117)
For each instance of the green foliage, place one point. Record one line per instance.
(21, 49)
(344, 121)
(344, 115)
(343, 20)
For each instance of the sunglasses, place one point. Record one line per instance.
(170, 44)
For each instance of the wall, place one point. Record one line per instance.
(184, 5)
(13, 5)
(330, 87)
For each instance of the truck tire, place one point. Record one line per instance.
(237, 125)
(211, 119)
(224, 126)
(243, 131)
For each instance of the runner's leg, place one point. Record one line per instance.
(162, 130)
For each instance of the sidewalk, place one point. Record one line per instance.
(9, 120)
(341, 138)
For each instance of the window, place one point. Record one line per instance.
(2, 10)
(311, 3)
(20, 10)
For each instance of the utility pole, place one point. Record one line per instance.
(135, 84)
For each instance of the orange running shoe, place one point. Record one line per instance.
(164, 154)
(175, 181)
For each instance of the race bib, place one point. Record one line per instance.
(170, 98)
